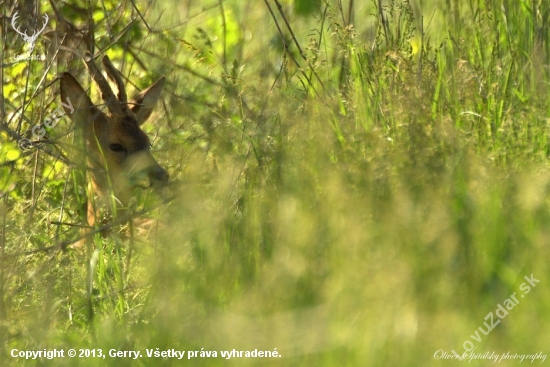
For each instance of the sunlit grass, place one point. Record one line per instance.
(369, 206)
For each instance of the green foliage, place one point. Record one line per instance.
(305, 7)
(364, 180)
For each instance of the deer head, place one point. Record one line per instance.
(32, 38)
(117, 150)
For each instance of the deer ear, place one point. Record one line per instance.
(143, 103)
(75, 101)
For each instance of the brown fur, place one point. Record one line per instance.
(117, 150)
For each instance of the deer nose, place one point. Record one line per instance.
(158, 174)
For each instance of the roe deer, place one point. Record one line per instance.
(116, 149)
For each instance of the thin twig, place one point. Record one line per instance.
(224, 26)
(351, 19)
(383, 20)
(141, 16)
(116, 38)
(64, 244)
(182, 67)
(321, 32)
(286, 47)
(280, 7)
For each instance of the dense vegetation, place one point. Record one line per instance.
(352, 183)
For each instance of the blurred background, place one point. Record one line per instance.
(353, 183)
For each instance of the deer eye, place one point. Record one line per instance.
(118, 148)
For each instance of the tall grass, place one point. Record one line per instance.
(360, 187)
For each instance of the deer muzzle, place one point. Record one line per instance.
(143, 170)
(158, 174)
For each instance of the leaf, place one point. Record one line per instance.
(13, 154)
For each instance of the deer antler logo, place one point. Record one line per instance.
(32, 38)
